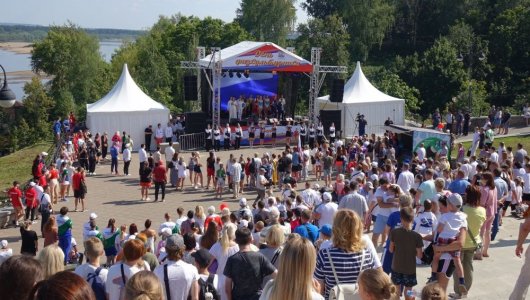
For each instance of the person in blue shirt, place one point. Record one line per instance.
(394, 221)
(502, 194)
(460, 184)
(114, 159)
(306, 229)
(57, 129)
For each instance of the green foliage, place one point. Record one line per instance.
(72, 56)
(476, 90)
(37, 105)
(267, 20)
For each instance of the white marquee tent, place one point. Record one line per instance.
(360, 96)
(126, 108)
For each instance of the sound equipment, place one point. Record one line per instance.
(190, 88)
(196, 122)
(331, 116)
(337, 90)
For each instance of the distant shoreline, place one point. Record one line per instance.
(17, 47)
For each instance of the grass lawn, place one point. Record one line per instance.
(508, 141)
(17, 165)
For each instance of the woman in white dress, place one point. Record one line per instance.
(181, 168)
(222, 250)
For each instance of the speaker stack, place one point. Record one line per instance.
(190, 88)
(337, 90)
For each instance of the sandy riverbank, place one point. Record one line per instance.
(17, 47)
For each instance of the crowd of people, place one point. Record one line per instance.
(304, 236)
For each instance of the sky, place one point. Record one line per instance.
(121, 14)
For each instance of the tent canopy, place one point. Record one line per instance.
(260, 56)
(126, 108)
(358, 89)
(125, 96)
(360, 96)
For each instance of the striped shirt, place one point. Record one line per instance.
(347, 266)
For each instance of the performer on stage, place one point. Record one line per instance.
(320, 133)
(239, 134)
(266, 107)
(251, 135)
(280, 106)
(217, 138)
(240, 105)
(208, 131)
(273, 134)
(261, 134)
(303, 134)
(312, 133)
(227, 134)
(332, 132)
(260, 108)
(288, 133)
(232, 109)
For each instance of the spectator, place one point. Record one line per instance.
(144, 285)
(52, 260)
(62, 286)
(19, 274)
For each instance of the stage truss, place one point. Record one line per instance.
(316, 78)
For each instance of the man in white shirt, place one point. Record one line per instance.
(473, 163)
(325, 212)
(310, 197)
(86, 226)
(169, 152)
(421, 152)
(168, 132)
(126, 159)
(142, 154)
(494, 156)
(88, 271)
(406, 179)
(167, 224)
(159, 134)
(466, 168)
(183, 277)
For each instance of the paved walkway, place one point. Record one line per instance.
(119, 197)
(522, 131)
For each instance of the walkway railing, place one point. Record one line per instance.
(192, 141)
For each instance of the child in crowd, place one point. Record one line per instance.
(425, 223)
(92, 270)
(220, 179)
(406, 245)
(450, 226)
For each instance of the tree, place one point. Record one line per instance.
(476, 90)
(72, 57)
(393, 85)
(267, 20)
(321, 9)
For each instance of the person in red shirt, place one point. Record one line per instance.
(71, 120)
(160, 180)
(15, 194)
(53, 183)
(79, 186)
(31, 201)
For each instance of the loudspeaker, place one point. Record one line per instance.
(196, 122)
(190, 88)
(337, 90)
(329, 116)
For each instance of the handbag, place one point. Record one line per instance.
(344, 291)
(428, 254)
(478, 246)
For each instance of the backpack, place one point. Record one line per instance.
(207, 289)
(98, 286)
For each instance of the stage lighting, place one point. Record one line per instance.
(231, 74)
(224, 74)
(246, 73)
(238, 75)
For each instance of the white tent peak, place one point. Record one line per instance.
(358, 89)
(125, 96)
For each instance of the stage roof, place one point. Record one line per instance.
(260, 56)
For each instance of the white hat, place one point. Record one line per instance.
(243, 224)
(4, 243)
(93, 216)
(69, 143)
(316, 186)
(211, 210)
(274, 212)
(374, 164)
(44, 153)
(243, 202)
(326, 197)
(32, 183)
(166, 231)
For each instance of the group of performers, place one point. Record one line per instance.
(232, 137)
(258, 108)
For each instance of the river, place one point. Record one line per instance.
(13, 62)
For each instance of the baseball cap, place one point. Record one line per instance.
(4, 243)
(326, 229)
(316, 186)
(93, 216)
(326, 197)
(32, 183)
(174, 242)
(370, 185)
(243, 202)
(374, 164)
(44, 153)
(202, 257)
(455, 199)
